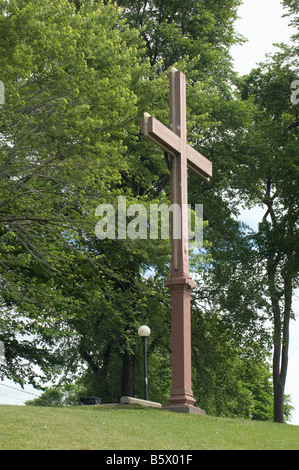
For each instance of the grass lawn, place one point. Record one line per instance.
(135, 428)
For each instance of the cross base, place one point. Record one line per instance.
(185, 409)
(180, 288)
(185, 398)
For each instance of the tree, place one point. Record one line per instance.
(272, 181)
(69, 104)
(175, 30)
(229, 378)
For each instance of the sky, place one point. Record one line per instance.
(261, 23)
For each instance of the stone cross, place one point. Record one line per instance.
(173, 140)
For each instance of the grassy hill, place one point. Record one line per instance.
(135, 428)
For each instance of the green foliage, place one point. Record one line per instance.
(226, 380)
(174, 30)
(50, 397)
(69, 105)
(68, 395)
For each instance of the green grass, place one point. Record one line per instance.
(136, 428)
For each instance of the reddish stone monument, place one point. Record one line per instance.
(180, 284)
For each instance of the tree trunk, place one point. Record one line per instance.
(278, 386)
(127, 385)
(281, 348)
(93, 366)
(281, 266)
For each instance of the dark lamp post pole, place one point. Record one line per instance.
(144, 332)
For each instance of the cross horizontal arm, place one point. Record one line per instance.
(162, 136)
(155, 131)
(199, 164)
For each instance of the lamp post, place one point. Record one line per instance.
(144, 332)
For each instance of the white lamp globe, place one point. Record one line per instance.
(144, 331)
